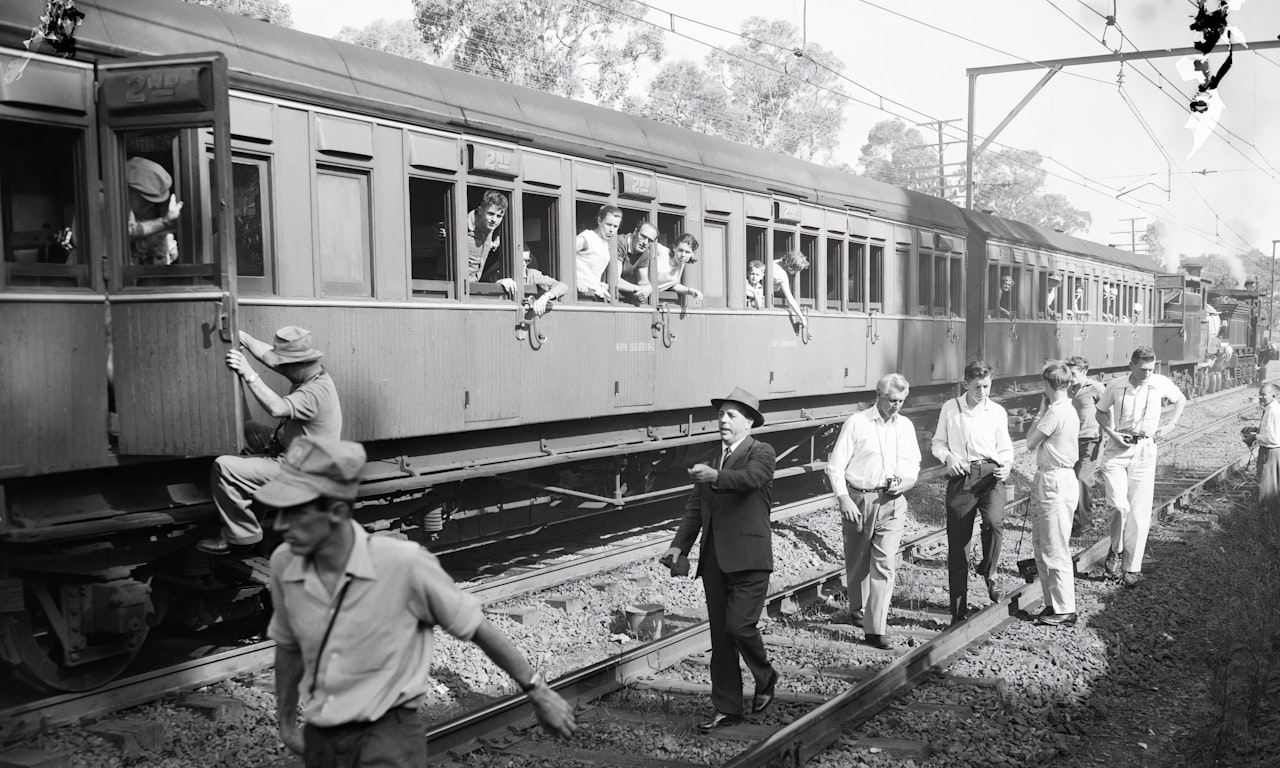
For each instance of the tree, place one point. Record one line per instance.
(277, 12)
(559, 46)
(1218, 269)
(397, 36)
(780, 96)
(1008, 183)
(1154, 239)
(896, 154)
(684, 94)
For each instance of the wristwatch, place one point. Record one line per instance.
(534, 682)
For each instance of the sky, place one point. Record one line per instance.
(1118, 150)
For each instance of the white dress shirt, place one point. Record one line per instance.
(1137, 409)
(970, 434)
(870, 450)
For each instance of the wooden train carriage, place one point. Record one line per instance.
(1045, 295)
(327, 185)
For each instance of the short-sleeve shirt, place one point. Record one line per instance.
(1060, 448)
(669, 270)
(630, 262)
(378, 655)
(1137, 409)
(314, 410)
(1085, 399)
(479, 246)
(593, 258)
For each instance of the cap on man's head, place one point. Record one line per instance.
(291, 345)
(149, 179)
(314, 467)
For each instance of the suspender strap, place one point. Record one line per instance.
(315, 673)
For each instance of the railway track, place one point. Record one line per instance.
(813, 653)
(24, 718)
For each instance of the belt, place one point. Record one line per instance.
(1046, 469)
(868, 490)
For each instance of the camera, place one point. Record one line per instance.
(1132, 437)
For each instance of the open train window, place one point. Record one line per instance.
(858, 277)
(594, 259)
(875, 279)
(251, 212)
(757, 258)
(836, 276)
(487, 252)
(670, 270)
(1002, 292)
(806, 290)
(430, 240)
(169, 208)
(924, 274)
(343, 248)
(1078, 288)
(41, 221)
(542, 233)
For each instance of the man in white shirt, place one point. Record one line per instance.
(873, 462)
(1129, 415)
(1267, 438)
(972, 440)
(1054, 492)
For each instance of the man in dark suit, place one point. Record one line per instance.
(730, 506)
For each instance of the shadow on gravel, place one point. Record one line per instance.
(1188, 672)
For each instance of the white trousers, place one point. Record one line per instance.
(1054, 494)
(871, 557)
(1129, 476)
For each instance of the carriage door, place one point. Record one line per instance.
(166, 168)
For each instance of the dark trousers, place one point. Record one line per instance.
(396, 739)
(1086, 468)
(734, 603)
(963, 505)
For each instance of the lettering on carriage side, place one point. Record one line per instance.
(637, 185)
(634, 346)
(492, 160)
(495, 160)
(186, 87)
(776, 343)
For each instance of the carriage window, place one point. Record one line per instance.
(875, 284)
(541, 233)
(924, 273)
(708, 273)
(835, 272)
(808, 277)
(593, 259)
(250, 178)
(41, 227)
(1079, 298)
(904, 280)
(1002, 292)
(342, 213)
(957, 286)
(488, 233)
(430, 241)
(168, 210)
(940, 285)
(857, 277)
(757, 257)
(1108, 302)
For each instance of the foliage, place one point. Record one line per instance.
(1008, 183)
(1154, 240)
(897, 154)
(682, 93)
(1219, 269)
(277, 12)
(780, 96)
(559, 46)
(395, 36)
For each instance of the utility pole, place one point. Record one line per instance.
(940, 148)
(1133, 233)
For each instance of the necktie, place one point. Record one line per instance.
(724, 457)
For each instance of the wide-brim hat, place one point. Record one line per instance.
(749, 402)
(291, 345)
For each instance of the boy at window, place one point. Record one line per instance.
(548, 287)
(151, 221)
(482, 236)
(593, 258)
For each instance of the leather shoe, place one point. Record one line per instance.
(1058, 620)
(764, 696)
(1131, 578)
(1112, 563)
(856, 618)
(879, 641)
(721, 720)
(993, 590)
(1045, 611)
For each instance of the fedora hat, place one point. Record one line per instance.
(291, 345)
(749, 402)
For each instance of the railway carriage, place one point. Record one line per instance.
(328, 186)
